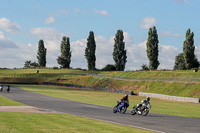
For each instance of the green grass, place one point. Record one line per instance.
(43, 72)
(177, 73)
(109, 99)
(7, 102)
(58, 123)
(160, 87)
(62, 72)
(71, 76)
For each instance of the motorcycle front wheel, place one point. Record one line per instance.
(115, 109)
(133, 112)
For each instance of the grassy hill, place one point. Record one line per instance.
(80, 77)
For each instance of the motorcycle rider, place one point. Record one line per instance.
(8, 88)
(123, 99)
(145, 102)
(1, 88)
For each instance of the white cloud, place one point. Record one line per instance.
(50, 20)
(78, 51)
(9, 26)
(182, 1)
(167, 56)
(136, 54)
(15, 57)
(101, 12)
(2, 36)
(148, 22)
(77, 10)
(168, 33)
(30, 45)
(6, 42)
(50, 36)
(197, 51)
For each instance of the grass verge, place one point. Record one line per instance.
(109, 99)
(58, 123)
(8, 102)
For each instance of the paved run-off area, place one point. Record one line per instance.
(157, 122)
(26, 109)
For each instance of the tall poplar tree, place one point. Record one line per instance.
(90, 51)
(152, 48)
(119, 53)
(65, 58)
(188, 49)
(41, 54)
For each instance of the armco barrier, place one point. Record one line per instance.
(175, 98)
(91, 88)
(80, 87)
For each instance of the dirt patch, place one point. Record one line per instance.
(61, 80)
(26, 109)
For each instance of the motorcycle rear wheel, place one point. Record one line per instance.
(133, 112)
(145, 112)
(123, 110)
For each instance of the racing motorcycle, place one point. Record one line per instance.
(141, 109)
(121, 108)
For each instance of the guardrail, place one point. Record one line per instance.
(168, 97)
(91, 88)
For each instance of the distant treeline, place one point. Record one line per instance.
(186, 60)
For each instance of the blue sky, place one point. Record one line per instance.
(24, 22)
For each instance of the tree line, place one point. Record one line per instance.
(184, 61)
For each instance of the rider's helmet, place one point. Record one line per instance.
(126, 96)
(148, 98)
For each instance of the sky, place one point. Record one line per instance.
(24, 22)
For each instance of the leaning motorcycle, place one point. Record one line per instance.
(121, 108)
(141, 109)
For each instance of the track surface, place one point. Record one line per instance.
(157, 122)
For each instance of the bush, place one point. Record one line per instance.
(55, 67)
(145, 67)
(109, 67)
(80, 69)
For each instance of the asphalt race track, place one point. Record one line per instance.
(155, 122)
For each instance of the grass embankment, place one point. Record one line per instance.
(44, 75)
(184, 89)
(62, 72)
(177, 74)
(109, 99)
(51, 73)
(58, 123)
